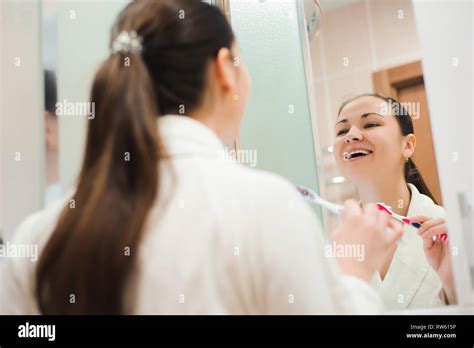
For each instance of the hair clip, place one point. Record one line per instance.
(127, 42)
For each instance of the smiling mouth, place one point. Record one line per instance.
(357, 154)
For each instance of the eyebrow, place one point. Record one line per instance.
(361, 116)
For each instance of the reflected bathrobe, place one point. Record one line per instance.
(410, 281)
(222, 238)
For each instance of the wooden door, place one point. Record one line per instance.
(406, 84)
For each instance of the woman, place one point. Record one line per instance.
(373, 144)
(160, 221)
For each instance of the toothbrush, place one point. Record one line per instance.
(332, 207)
(387, 209)
(315, 198)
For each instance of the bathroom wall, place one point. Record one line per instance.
(21, 115)
(448, 65)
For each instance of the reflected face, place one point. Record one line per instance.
(368, 142)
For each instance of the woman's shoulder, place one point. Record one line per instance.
(423, 205)
(18, 269)
(265, 183)
(270, 196)
(36, 227)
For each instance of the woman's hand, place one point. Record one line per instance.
(437, 251)
(365, 230)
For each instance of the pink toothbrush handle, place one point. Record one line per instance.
(443, 236)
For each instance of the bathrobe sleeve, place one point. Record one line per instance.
(17, 286)
(18, 274)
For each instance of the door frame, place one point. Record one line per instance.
(388, 81)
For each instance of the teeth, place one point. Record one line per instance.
(348, 155)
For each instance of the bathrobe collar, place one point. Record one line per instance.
(409, 266)
(182, 136)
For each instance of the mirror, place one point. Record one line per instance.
(368, 151)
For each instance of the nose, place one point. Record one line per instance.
(354, 134)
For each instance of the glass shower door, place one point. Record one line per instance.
(278, 124)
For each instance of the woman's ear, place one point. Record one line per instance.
(224, 69)
(409, 144)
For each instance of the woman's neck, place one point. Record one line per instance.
(212, 118)
(395, 194)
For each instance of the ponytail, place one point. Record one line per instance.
(413, 176)
(92, 250)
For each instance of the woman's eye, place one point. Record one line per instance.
(371, 125)
(341, 132)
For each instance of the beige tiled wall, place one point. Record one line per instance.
(356, 40)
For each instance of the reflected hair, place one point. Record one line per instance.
(86, 255)
(50, 92)
(411, 172)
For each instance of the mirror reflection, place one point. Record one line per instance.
(51, 124)
(376, 141)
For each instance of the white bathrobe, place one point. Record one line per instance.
(410, 281)
(231, 240)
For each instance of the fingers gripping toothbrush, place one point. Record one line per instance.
(385, 208)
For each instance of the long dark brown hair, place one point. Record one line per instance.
(85, 264)
(411, 173)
